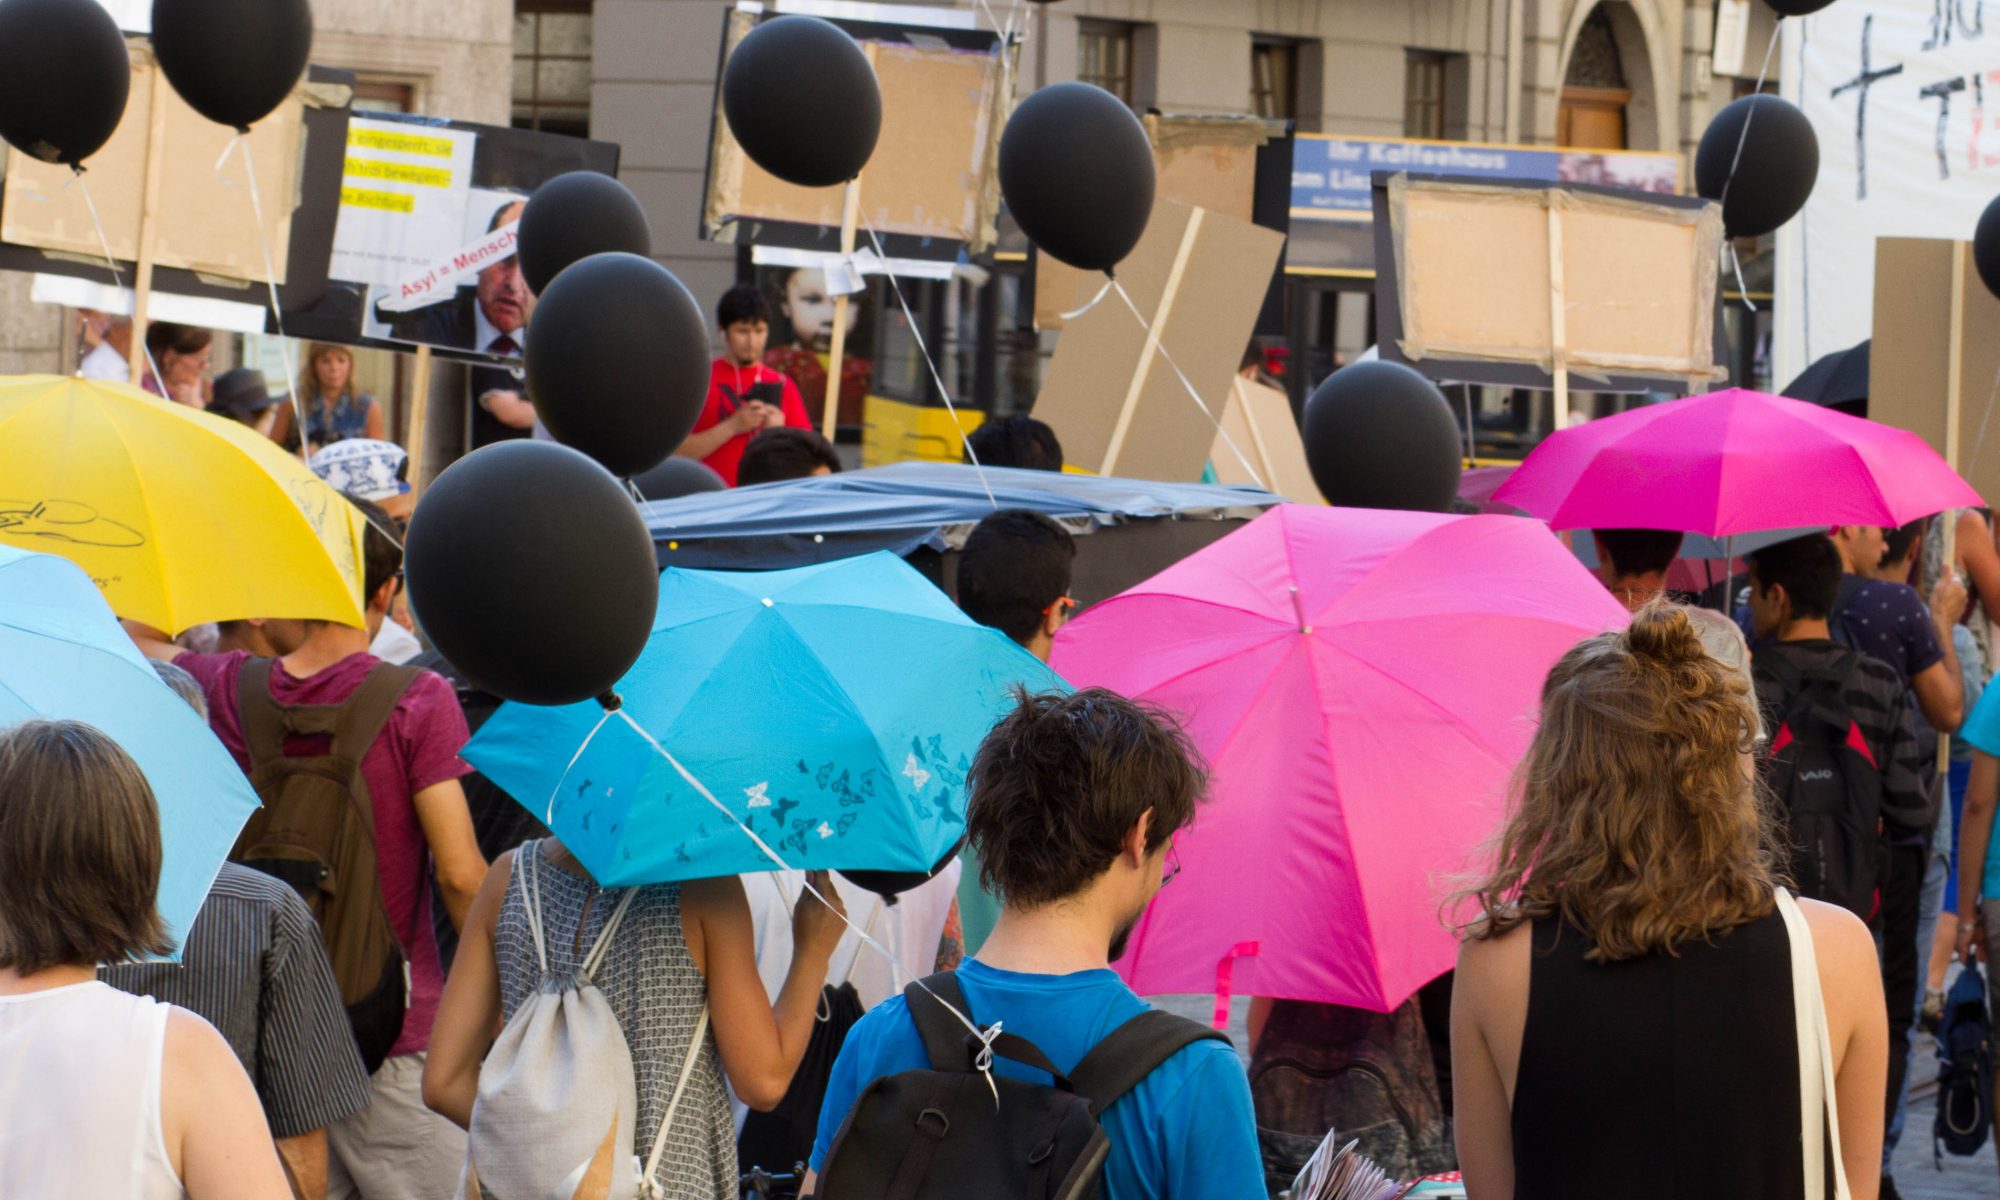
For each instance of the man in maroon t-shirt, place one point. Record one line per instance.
(396, 1147)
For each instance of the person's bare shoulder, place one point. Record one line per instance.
(1841, 941)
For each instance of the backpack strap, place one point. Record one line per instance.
(1135, 1050)
(528, 862)
(602, 946)
(944, 1037)
(364, 713)
(953, 1047)
(263, 721)
(353, 725)
(649, 1186)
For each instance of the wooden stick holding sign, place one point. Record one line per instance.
(149, 210)
(420, 409)
(849, 220)
(1558, 318)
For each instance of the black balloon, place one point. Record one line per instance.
(677, 477)
(1379, 435)
(532, 572)
(618, 366)
(574, 216)
(233, 61)
(1773, 176)
(1796, 8)
(1076, 170)
(891, 884)
(802, 101)
(1986, 247)
(64, 75)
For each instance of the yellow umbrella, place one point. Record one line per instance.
(179, 516)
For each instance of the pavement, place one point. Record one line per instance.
(1917, 1175)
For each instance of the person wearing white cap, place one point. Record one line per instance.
(372, 471)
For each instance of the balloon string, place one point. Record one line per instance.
(1986, 419)
(549, 809)
(271, 282)
(117, 277)
(1750, 114)
(1742, 289)
(985, 1036)
(917, 334)
(1161, 346)
(1093, 302)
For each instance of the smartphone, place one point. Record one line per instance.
(772, 394)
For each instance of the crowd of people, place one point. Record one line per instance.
(1630, 934)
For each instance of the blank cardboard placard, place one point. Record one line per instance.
(1638, 279)
(1202, 162)
(205, 222)
(1117, 406)
(1258, 419)
(1934, 361)
(934, 170)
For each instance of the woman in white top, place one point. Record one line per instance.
(104, 1094)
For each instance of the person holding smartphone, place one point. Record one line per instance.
(744, 395)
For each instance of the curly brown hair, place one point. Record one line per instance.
(1636, 818)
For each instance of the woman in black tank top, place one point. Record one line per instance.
(1624, 1022)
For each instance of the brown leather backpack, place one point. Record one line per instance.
(316, 832)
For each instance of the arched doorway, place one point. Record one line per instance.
(1615, 72)
(1595, 89)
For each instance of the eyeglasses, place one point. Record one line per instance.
(1173, 864)
(1066, 603)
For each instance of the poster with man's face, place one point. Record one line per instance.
(424, 249)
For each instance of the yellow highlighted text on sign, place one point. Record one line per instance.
(401, 143)
(386, 201)
(390, 172)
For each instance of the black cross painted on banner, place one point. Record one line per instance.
(1860, 84)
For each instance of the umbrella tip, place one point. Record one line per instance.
(611, 701)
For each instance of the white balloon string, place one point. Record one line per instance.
(1102, 292)
(271, 282)
(1161, 346)
(917, 334)
(1742, 139)
(1985, 419)
(117, 277)
(985, 1036)
(549, 809)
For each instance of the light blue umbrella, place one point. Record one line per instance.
(63, 656)
(832, 709)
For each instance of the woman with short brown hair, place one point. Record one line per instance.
(1623, 1020)
(103, 1094)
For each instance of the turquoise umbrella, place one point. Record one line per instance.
(831, 710)
(63, 656)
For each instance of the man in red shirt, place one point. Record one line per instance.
(396, 1149)
(737, 405)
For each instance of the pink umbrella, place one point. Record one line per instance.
(1362, 684)
(1733, 462)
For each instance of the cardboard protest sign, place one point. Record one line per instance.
(40, 211)
(1934, 360)
(1526, 285)
(1203, 162)
(1114, 401)
(931, 186)
(1262, 430)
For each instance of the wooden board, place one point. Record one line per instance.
(205, 221)
(1259, 420)
(1934, 359)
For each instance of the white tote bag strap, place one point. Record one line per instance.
(649, 1186)
(602, 946)
(1816, 1085)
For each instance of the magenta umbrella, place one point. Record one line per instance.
(1733, 462)
(1362, 684)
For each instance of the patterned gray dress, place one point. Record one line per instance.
(654, 987)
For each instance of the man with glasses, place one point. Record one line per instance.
(1075, 801)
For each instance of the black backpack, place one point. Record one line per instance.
(1965, 1068)
(938, 1132)
(1827, 783)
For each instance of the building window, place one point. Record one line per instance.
(1424, 99)
(552, 66)
(1274, 78)
(1104, 56)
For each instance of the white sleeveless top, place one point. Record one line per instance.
(80, 1095)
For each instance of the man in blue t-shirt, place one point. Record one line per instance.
(1075, 802)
